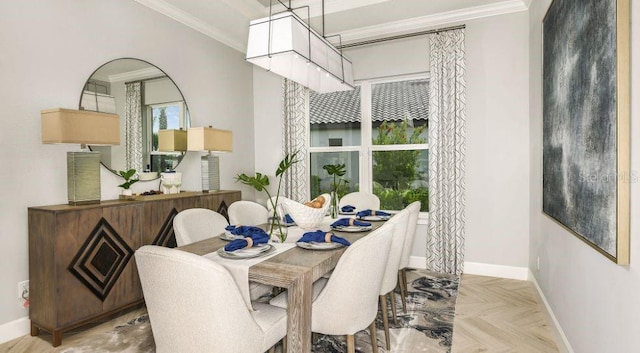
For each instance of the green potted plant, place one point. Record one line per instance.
(337, 171)
(128, 181)
(260, 182)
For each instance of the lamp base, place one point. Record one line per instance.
(83, 178)
(210, 167)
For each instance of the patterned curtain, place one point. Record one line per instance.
(294, 138)
(133, 126)
(445, 236)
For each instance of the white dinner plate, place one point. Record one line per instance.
(374, 218)
(348, 213)
(256, 251)
(352, 229)
(319, 246)
(229, 237)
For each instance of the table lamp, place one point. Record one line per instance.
(172, 140)
(210, 140)
(85, 128)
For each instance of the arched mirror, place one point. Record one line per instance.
(147, 101)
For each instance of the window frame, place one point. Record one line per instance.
(367, 147)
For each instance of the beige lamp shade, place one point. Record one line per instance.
(172, 140)
(80, 126)
(209, 139)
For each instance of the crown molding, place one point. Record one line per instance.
(193, 22)
(136, 75)
(438, 19)
(250, 9)
(332, 6)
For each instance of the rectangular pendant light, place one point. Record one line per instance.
(287, 46)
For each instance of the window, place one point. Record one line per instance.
(382, 127)
(161, 117)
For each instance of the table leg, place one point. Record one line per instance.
(299, 314)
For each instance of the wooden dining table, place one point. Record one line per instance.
(295, 269)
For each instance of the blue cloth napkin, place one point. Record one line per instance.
(319, 237)
(288, 219)
(368, 213)
(344, 222)
(242, 230)
(348, 208)
(257, 235)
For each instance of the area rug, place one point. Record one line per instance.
(426, 327)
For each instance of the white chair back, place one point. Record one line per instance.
(360, 200)
(195, 224)
(194, 304)
(349, 301)
(390, 278)
(247, 213)
(414, 211)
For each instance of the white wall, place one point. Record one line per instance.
(49, 49)
(497, 177)
(595, 300)
(497, 129)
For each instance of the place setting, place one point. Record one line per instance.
(348, 210)
(321, 240)
(351, 225)
(373, 215)
(245, 242)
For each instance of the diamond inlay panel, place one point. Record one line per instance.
(101, 259)
(223, 210)
(166, 237)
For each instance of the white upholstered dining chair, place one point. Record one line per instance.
(360, 200)
(195, 224)
(347, 302)
(194, 305)
(247, 213)
(414, 211)
(390, 279)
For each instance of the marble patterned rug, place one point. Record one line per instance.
(426, 327)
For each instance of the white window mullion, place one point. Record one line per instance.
(366, 169)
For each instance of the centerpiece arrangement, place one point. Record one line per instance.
(337, 171)
(260, 182)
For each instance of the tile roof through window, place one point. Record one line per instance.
(410, 98)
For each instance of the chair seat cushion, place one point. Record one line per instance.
(272, 320)
(281, 299)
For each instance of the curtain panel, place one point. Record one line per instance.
(295, 122)
(446, 230)
(133, 126)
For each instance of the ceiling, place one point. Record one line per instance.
(228, 20)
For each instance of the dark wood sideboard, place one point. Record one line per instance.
(81, 265)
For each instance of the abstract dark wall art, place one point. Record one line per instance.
(585, 154)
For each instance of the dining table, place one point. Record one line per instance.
(295, 270)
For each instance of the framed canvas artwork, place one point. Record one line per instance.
(586, 168)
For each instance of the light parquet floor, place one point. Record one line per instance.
(492, 315)
(499, 315)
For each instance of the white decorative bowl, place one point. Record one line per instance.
(305, 216)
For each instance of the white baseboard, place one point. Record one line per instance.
(511, 272)
(14, 329)
(419, 262)
(561, 339)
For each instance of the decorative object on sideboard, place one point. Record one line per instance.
(285, 44)
(81, 127)
(130, 178)
(209, 140)
(170, 182)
